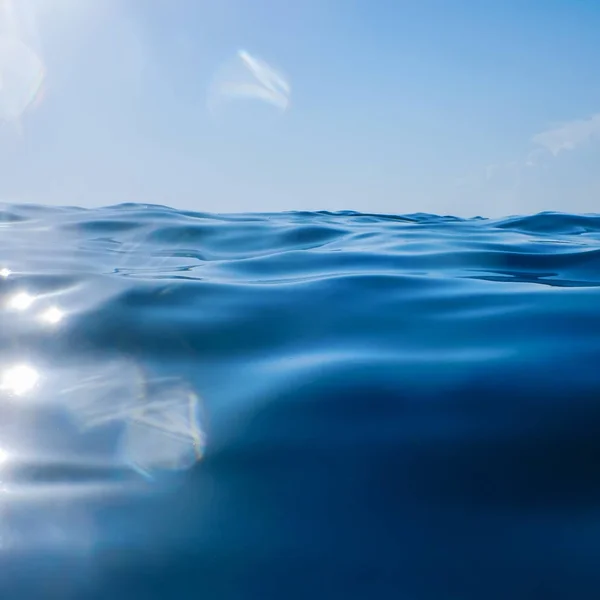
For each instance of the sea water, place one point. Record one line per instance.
(298, 405)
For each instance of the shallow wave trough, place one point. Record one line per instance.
(296, 404)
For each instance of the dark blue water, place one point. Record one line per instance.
(298, 405)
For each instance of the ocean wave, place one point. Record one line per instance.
(278, 405)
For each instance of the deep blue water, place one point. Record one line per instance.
(298, 405)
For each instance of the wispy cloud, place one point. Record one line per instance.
(569, 135)
(528, 178)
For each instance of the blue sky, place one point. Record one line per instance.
(464, 107)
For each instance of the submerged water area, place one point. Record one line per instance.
(298, 405)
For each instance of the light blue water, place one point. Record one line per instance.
(298, 405)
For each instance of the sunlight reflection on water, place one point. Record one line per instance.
(79, 430)
(87, 416)
(19, 379)
(20, 301)
(52, 315)
(155, 424)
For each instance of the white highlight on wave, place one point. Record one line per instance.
(52, 315)
(19, 379)
(122, 429)
(21, 301)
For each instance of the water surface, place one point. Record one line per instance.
(298, 405)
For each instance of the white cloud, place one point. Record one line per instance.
(536, 181)
(549, 143)
(569, 135)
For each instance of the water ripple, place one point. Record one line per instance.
(283, 405)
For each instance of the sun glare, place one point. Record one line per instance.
(19, 380)
(21, 301)
(52, 316)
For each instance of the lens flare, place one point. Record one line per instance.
(5, 273)
(21, 301)
(21, 77)
(19, 380)
(52, 316)
(251, 78)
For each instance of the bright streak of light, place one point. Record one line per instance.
(21, 77)
(4, 456)
(22, 70)
(21, 301)
(5, 273)
(251, 78)
(52, 316)
(276, 86)
(19, 380)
